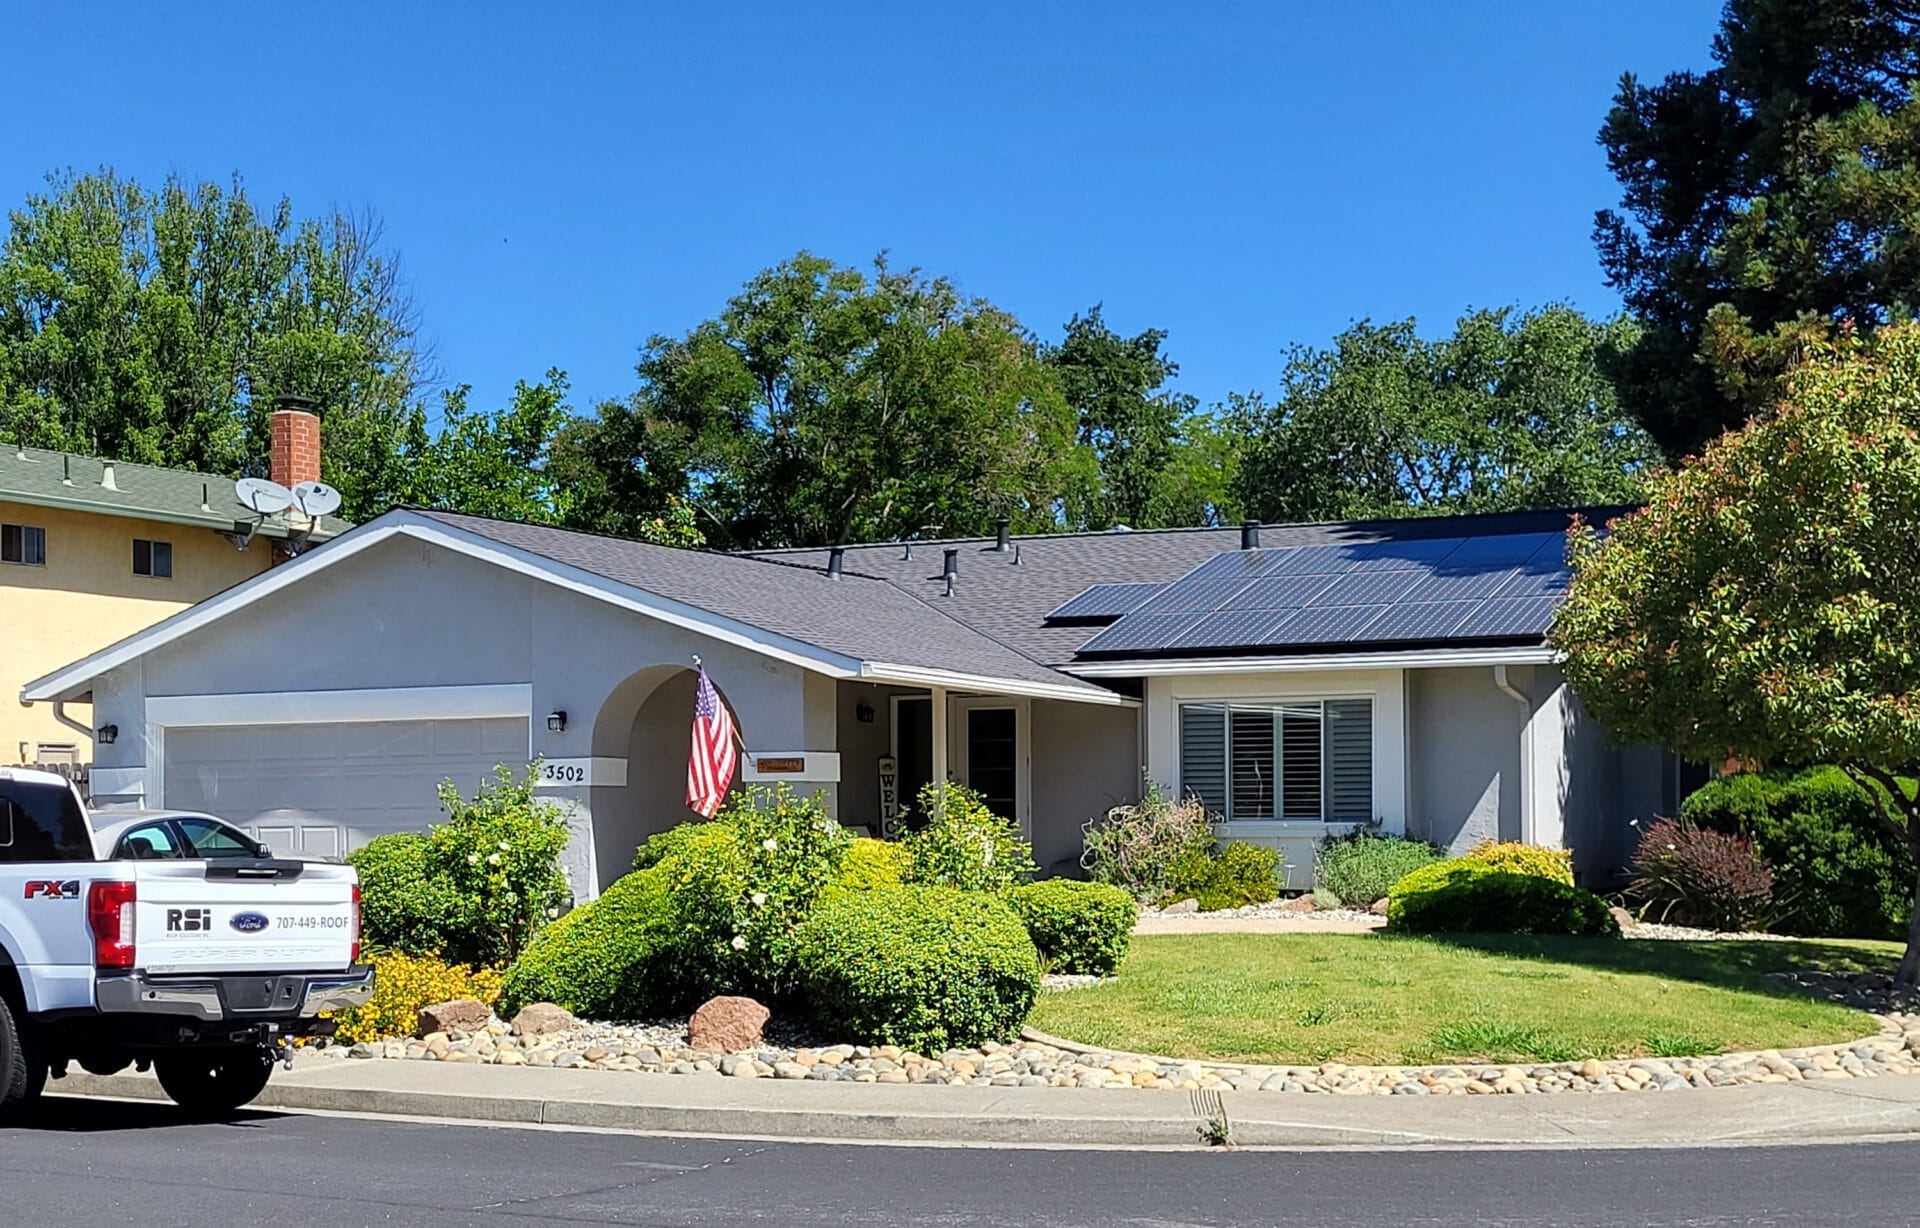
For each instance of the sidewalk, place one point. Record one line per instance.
(826, 1112)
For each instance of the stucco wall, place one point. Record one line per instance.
(1086, 760)
(862, 743)
(1463, 771)
(87, 597)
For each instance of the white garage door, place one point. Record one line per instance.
(326, 789)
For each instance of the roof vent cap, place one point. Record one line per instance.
(836, 560)
(106, 477)
(1250, 535)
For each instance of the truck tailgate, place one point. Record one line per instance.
(190, 920)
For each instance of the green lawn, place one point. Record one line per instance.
(1381, 999)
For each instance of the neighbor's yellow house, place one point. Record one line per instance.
(92, 551)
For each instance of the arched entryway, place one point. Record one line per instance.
(647, 720)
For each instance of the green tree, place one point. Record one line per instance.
(824, 404)
(159, 325)
(1766, 603)
(492, 463)
(1508, 412)
(1763, 202)
(1137, 429)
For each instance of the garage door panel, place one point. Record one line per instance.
(328, 788)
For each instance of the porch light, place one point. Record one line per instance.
(557, 721)
(863, 712)
(109, 734)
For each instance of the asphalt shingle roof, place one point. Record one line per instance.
(41, 478)
(856, 616)
(1009, 602)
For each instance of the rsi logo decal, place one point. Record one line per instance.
(189, 920)
(249, 922)
(52, 890)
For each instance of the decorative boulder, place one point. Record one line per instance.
(1379, 907)
(458, 1015)
(1299, 903)
(541, 1018)
(727, 1025)
(1626, 919)
(1182, 906)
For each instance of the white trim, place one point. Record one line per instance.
(1022, 709)
(916, 675)
(425, 703)
(816, 766)
(1416, 659)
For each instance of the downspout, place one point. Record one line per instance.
(1526, 751)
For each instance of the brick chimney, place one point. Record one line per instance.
(294, 442)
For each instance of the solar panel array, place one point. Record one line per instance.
(1424, 590)
(1105, 601)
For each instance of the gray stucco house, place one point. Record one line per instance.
(1301, 679)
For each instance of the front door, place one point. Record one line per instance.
(987, 739)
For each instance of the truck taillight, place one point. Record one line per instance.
(110, 915)
(355, 930)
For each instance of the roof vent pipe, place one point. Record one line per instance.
(836, 559)
(1250, 535)
(1001, 543)
(951, 567)
(907, 552)
(106, 478)
(1016, 555)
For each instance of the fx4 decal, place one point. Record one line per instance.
(50, 889)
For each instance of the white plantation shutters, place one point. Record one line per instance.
(1308, 760)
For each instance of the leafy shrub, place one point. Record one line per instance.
(1136, 848)
(402, 984)
(479, 885)
(964, 844)
(613, 958)
(1517, 858)
(1849, 876)
(926, 968)
(1464, 896)
(1361, 868)
(1697, 876)
(873, 863)
(668, 843)
(743, 881)
(1236, 875)
(1081, 928)
(405, 905)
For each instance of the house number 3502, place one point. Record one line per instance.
(564, 773)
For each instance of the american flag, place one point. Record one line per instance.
(710, 764)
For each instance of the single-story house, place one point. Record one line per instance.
(1301, 679)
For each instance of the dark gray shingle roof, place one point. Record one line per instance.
(855, 616)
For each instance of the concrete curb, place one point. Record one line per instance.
(1782, 1113)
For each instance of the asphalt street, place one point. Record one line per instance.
(103, 1162)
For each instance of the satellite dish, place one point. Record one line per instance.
(264, 497)
(316, 499)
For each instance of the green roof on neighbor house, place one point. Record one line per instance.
(41, 478)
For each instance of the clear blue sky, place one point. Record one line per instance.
(564, 179)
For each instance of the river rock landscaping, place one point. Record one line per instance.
(1033, 1061)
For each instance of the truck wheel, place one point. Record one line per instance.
(25, 1072)
(213, 1081)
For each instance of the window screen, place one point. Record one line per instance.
(152, 558)
(23, 543)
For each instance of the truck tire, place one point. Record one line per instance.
(213, 1081)
(26, 1073)
(10, 1056)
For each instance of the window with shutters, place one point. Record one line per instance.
(1306, 760)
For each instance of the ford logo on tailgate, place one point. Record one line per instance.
(249, 922)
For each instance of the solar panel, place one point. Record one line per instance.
(1508, 616)
(1367, 586)
(1536, 580)
(1106, 601)
(1553, 550)
(1243, 563)
(1407, 553)
(1230, 629)
(1447, 585)
(1324, 624)
(1417, 620)
(1140, 633)
(1280, 592)
(1308, 560)
(1192, 595)
(1503, 551)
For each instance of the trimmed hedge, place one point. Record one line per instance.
(1236, 875)
(1517, 858)
(1362, 868)
(1841, 874)
(613, 958)
(1464, 896)
(405, 904)
(925, 968)
(870, 864)
(1080, 928)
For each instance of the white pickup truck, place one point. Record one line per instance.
(171, 942)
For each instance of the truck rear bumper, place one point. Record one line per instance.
(296, 995)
